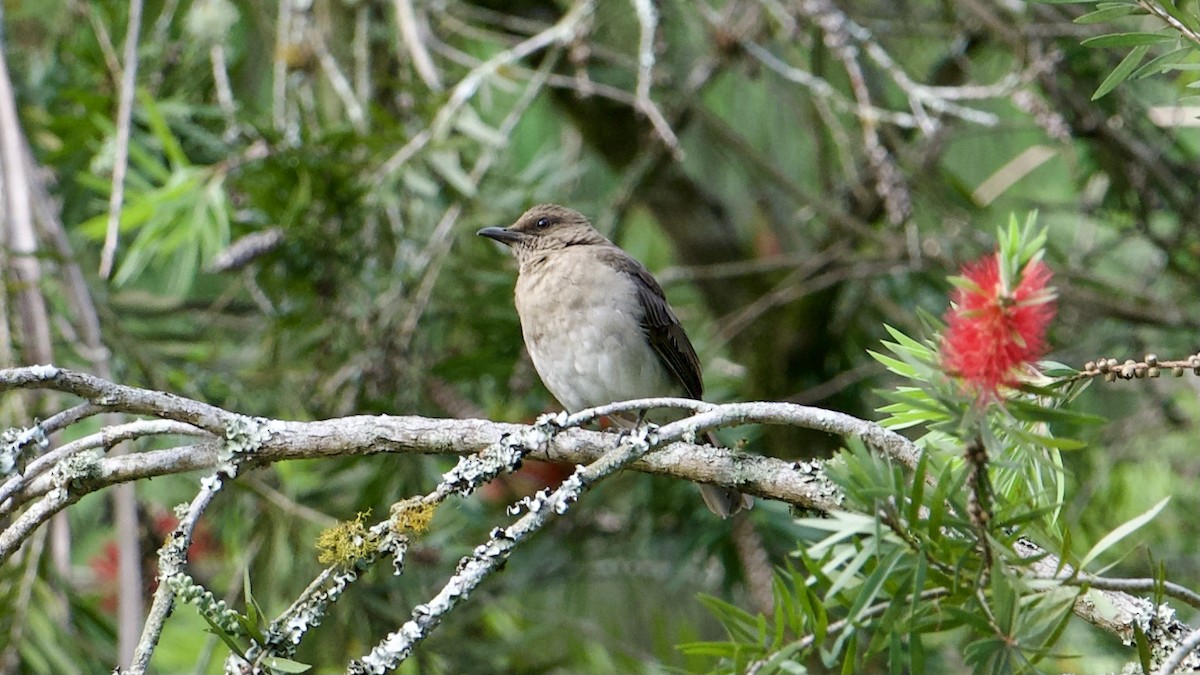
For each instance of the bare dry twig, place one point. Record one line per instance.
(121, 154)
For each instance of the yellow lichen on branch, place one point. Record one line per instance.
(347, 542)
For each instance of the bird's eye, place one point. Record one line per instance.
(542, 223)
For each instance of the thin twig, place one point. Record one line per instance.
(410, 37)
(341, 85)
(102, 37)
(489, 557)
(122, 398)
(16, 611)
(439, 241)
(279, 65)
(796, 286)
(360, 48)
(288, 505)
(560, 33)
(106, 438)
(889, 181)
(1177, 657)
(647, 17)
(121, 154)
(220, 70)
(1156, 8)
(1168, 588)
(162, 25)
(19, 235)
(172, 557)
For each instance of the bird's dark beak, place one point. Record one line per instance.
(501, 234)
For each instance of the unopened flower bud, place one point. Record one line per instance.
(1128, 368)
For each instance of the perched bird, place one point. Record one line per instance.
(596, 323)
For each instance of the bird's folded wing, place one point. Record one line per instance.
(661, 326)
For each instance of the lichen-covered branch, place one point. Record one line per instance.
(487, 558)
(243, 437)
(58, 480)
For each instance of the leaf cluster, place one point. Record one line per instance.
(1173, 48)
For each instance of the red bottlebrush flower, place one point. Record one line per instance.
(992, 331)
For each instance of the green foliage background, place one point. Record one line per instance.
(770, 231)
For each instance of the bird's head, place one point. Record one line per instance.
(544, 229)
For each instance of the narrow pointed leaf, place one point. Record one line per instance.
(1128, 528)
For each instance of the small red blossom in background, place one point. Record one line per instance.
(992, 331)
(531, 477)
(106, 562)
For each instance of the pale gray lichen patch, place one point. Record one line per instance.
(245, 434)
(814, 471)
(44, 371)
(76, 468)
(1163, 632)
(556, 420)
(501, 457)
(13, 442)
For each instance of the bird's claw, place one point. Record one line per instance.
(641, 429)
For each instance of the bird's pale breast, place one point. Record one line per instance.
(581, 324)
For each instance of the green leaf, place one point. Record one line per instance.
(225, 637)
(788, 612)
(916, 654)
(1027, 516)
(469, 123)
(1031, 412)
(1128, 528)
(1143, 648)
(714, 649)
(971, 618)
(1062, 617)
(917, 497)
(416, 180)
(254, 612)
(850, 574)
(895, 365)
(870, 588)
(283, 665)
(1126, 40)
(1165, 62)
(917, 349)
(742, 626)
(1122, 72)
(446, 163)
(850, 663)
(1109, 13)
(162, 131)
(1048, 441)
